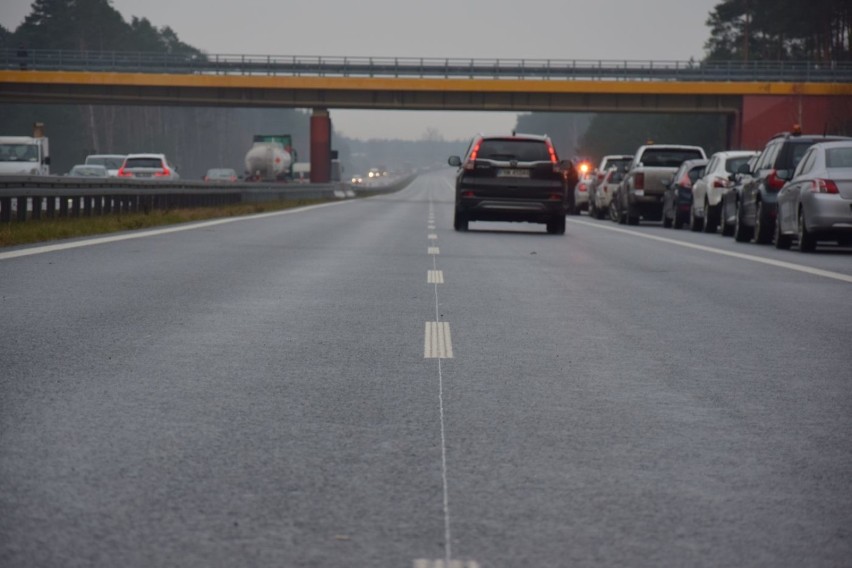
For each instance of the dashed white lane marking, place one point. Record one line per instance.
(432, 236)
(143, 234)
(433, 250)
(752, 258)
(435, 277)
(425, 563)
(438, 343)
(431, 227)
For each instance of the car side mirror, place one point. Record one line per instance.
(732, 177)
(47, 161)
(625, 168)
(454, 161)
(785, 175)
(667, 181)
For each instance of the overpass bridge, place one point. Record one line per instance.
(738, 90)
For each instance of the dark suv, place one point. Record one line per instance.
(758, 203)
(512, 178)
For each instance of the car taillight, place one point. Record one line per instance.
(556, 197)
(823, 186)
(685, 182)
(774, 182)
(206, 178)
(639, 181)
(468, 194)
(162, 173)
(122, 173)
(469, 165)
(234, 178)
(582, 187)
(720, 182)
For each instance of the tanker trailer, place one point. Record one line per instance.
(267, 161)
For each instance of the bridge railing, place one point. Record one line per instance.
(424, 67)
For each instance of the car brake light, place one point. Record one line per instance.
(165, 172)
(582, 187)
(468, 194)
(773, 181)
(639, 181)
(122, 173)
(556, 197)
(824, 186)
(719, 182)
(685, 182)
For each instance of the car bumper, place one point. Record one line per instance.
(511, 209)
(827, 213)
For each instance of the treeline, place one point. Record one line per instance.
(813, 30)
(195, 139)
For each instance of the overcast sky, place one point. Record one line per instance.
(532, 29)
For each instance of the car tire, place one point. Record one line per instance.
(711, 217)
(460, 221)
(695, 223)
(727, 228)
(779, 239)
(667, 221)
(742, 233)
(593, 211)
(807, 242)
(678, 221)
(762, 225)
(556, 226)
(632, 218)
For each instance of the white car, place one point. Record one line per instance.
(112, 162)
(707, 191)
(147, 166)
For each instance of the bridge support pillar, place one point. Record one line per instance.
(320, 146)
(734, 130)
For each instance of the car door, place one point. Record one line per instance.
(751, 189)
(791, 194)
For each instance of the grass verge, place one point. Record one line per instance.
(16, 233)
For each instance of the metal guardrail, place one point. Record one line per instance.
(33, 198)
(424, 67)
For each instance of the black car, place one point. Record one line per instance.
(512, 178)
(757, 206)
(677, 200)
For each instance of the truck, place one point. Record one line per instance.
(640, 194)
(25, 155)
(270, 158)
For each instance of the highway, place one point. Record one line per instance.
(356, 385)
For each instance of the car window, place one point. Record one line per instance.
(143, 163)
(696, 173)
(711, 167)
(733, 164)
(797, 152)
(768, 157)
(520, 150)
(107, 162)
(668, 157)
(807, 163)
(838, 157)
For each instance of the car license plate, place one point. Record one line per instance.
(639, 192)
(513, 173)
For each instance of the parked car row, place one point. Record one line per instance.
(798, 189)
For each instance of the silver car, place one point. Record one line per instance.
(816, 204)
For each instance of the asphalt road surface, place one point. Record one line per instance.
(353, 385)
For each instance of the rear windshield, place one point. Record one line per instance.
(838, 158)
(507, 150)
(668, 158)
(618, 164)
(108, 163)
(797, 151)
(733, 164)
(221, 173)
(92, 171)
(696, 172)
(143, 163)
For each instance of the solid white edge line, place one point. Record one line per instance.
(742, 256)
(152, 233)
